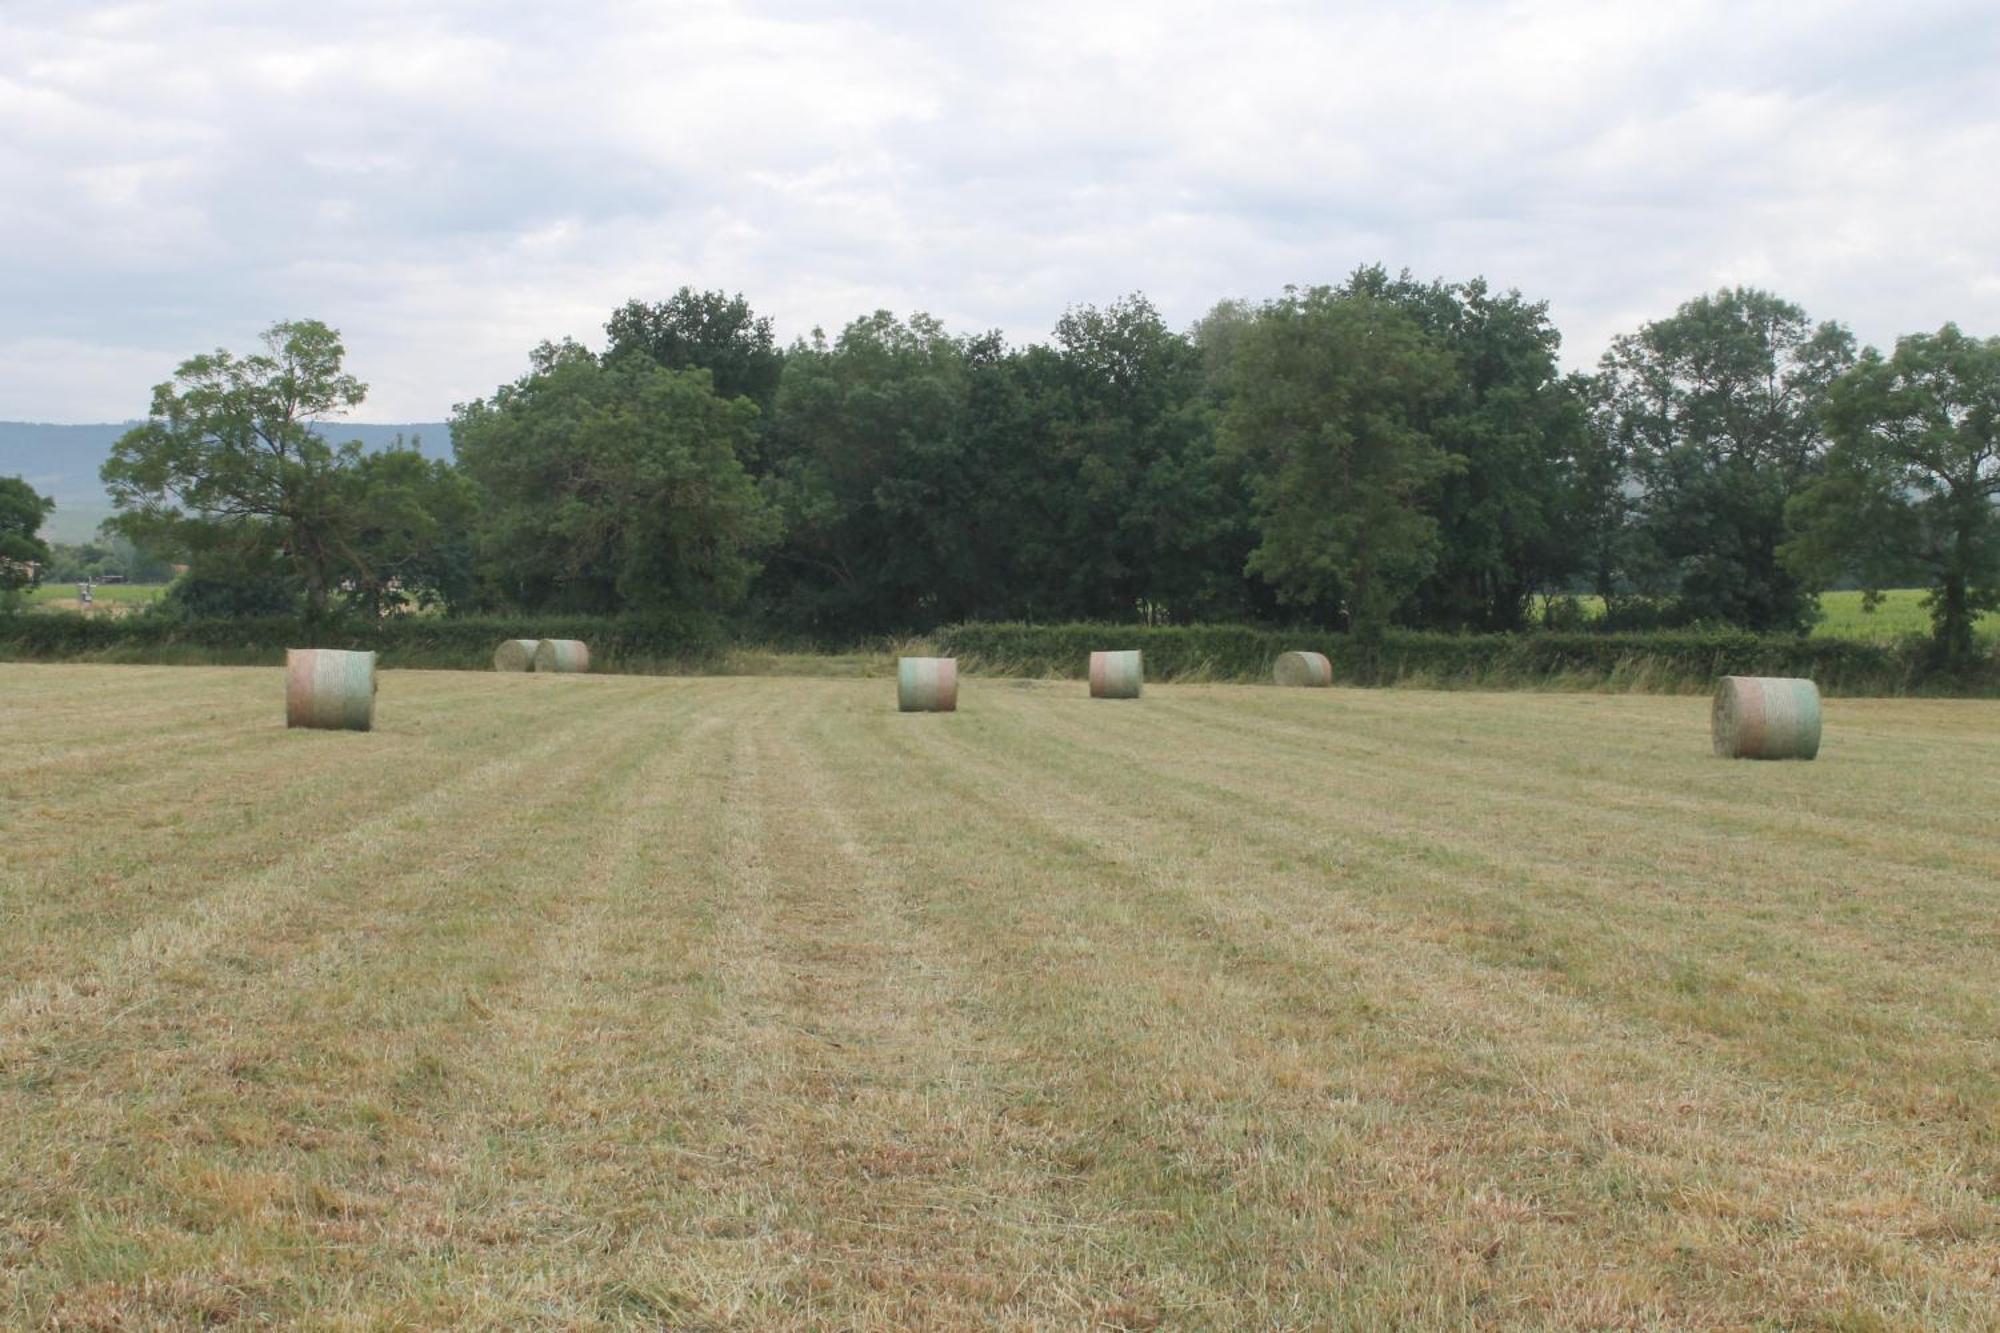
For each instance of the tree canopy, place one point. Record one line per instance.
(232, 464)
(1385, 450)
(709, 331)
(1506, 509)
(22, 511)
(1716, 415)
(1911, 488)
(1328, 392)
(612, 483)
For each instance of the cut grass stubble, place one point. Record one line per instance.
(747, 1001)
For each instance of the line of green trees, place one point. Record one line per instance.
(1382, 452)
(108, 555)
(23, 553)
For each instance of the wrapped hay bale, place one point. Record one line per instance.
(1311, 669)
(562, 655)
(329, 689)
(927, 684)
(1116, 675)
(515, 655)
(1765, 717)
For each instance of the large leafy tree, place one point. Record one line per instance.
(108, 553)
(1599, 502)
(927, 477)
(22, 510)
(608, 484)
(1328, 390)
(232, 466)
(1912, 481)
(1717, 411)
(413, 530)
(227, 581)
(866, 468)
(710, 331)
(1149, 517)
(1508, 512)
(1011, 521)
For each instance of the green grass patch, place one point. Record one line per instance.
(62, 596)
(1900, 614)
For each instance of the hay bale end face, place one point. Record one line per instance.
(564, 655)
(1117, 675)
(1307, 669)
(515, 655)
(329, 690)
(927, 684)
(1765, 717)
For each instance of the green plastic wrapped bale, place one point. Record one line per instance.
(927, 684)
(328, 689)
(1307, 669)
(1117, 675)
(564, 655)
(515, 655)
(1765, 717)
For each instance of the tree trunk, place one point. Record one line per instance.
(1952, 619)
(1951, 616)
(316, 590)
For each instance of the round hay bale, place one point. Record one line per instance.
(1117, 675)
(562, 655)
(515, 655)
(927, 684)
(1310, 669)
(1765, 717)
(329, 689)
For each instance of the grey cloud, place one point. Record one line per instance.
(450, 183)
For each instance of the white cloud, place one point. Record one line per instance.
(451, 182)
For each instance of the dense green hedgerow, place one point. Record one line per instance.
(629, 643)
(1658, 660)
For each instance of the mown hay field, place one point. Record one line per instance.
(596, 1001)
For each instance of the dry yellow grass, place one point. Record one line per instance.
(730, 1002)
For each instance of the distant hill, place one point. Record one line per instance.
(62, 462)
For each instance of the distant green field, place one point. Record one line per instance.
(1902, 612)
(62, 596)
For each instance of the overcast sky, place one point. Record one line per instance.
(449, 182)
